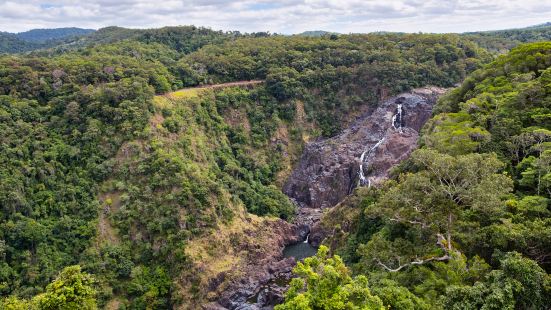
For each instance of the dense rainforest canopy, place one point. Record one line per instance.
(465, 223)
(99, 168)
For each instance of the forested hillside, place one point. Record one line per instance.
(465, 223)
(38, 39)
(60, 40)
(45, 35)
(123, 187)
(10, 43)
(189, 38)
(503, 40)
(97, 171)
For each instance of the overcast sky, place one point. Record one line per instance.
(285, 16)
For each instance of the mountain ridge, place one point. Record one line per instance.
(42, 35)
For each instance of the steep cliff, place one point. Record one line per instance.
(362, 154)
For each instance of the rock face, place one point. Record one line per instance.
(329, 169)
(264, 265)
(255, 291)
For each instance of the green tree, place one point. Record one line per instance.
(283, 83)
(430, 203)
(14, 303)
(72, 289)
(519, 284)
(398, 297)
(325, 283)
(453, 133)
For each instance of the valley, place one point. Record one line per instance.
(332, 169)
(187, 168)
(326, 173)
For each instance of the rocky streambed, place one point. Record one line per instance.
(328, 171)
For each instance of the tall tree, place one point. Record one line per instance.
(434, 204)
(72, 289)
(325, 283)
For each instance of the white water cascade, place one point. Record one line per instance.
(306, 240)
(363, 179)
(397, 118)
(397, 125)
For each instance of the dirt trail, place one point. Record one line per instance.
(215, 86)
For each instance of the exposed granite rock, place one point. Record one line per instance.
(263, 265)
(328, 170)
(317, 234)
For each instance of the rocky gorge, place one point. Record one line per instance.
(328, 171)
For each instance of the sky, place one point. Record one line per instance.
(284, 16)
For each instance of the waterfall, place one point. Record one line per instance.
(397, 118)
(306, 240)
(363, 179)
(397, 122)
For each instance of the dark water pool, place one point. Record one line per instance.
(299, 250)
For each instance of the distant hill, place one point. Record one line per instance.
(112, 34)
(44, 35)
(544, 28)
(189, 38)
(548, 24)
(504, 40)
(181, 38)
(39, 39)
(315, 33)
(10, 43)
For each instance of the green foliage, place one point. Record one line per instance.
(283, 83)
(184, 39)
(98, 172)
(398, 297)
(63, 119)
(476, 189)
(72, 289)
(325, 283)
(454, 134)
(504, 40)
(428, 209)
(39, 39)
(508, 100)
(45, 35)
(333, 75)
(10, 43)
(519, 284)
(150, 287)
(14, 303)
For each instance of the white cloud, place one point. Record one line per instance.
(285, 16)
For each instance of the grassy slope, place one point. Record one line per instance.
(222, 245)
